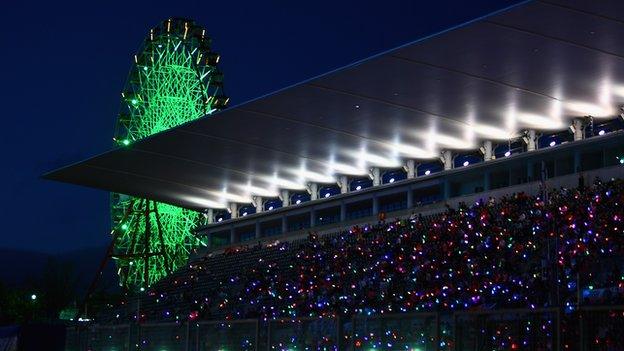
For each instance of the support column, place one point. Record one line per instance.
(232, 235)
(410, 169)
(375, 205)
(313, 190)
(487, 181)
(284, 224)
(343, 182)
(410, 198)
(258, 230)
(210, 216)
(233, 210)
(285, 195)
(577, 128)
(487, 150)
(259, 204)
(343, 211)
(312, 218)
(531, 140)
(447, 189)
(447, 159)
(376, 174)
(577, 161)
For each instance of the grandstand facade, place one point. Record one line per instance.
(461, 192)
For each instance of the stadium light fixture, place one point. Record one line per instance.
(589, 109)
(452, 142)
(258, 191)
(311, 176)
(413, 151)
(540, 122)
(285, 183)
(205, 203)
(491, 132)
(427, 172)
(601, 132)
(466, 163)
(375, 160)
(553, 143)
(508, 153)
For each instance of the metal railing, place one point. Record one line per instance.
(587, 328)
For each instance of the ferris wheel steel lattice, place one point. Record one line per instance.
(174, 79)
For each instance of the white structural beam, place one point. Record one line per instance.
(258, 202)
(313, 190)
(285, 196)
(531, 140)
(487, 150)
(447, 159)
(233, 207)
(410, 169)
(343, 183)
(376, 175)
(210, 216)
(577, 129)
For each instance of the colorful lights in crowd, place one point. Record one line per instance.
(534, 252)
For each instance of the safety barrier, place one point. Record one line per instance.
(587, 328)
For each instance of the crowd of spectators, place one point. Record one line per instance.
(562, 248)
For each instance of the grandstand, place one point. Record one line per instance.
(461, 192)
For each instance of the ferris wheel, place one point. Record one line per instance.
(174, 79)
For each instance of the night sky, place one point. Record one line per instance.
(64, 64)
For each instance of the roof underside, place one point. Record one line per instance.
(535, 66)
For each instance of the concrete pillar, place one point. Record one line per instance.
(531, 140)
(343, 182)
(577, 128)
(375, 205)
(285, 195)
(410, 198)
(577, 161)
(343, 211)
(258, 230)
(410, 169)
(210, 216)
(487, 150)
(447, 159)
(259, 204)
(446, 189)
(233, 235)
(376, 174)
(312, 218)
(313, 189)
(234, 210)
(284, 224)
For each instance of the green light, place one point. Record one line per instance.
(170, 84)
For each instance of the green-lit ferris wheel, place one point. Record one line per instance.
(174, 79)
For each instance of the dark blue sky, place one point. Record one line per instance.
(64, 64)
